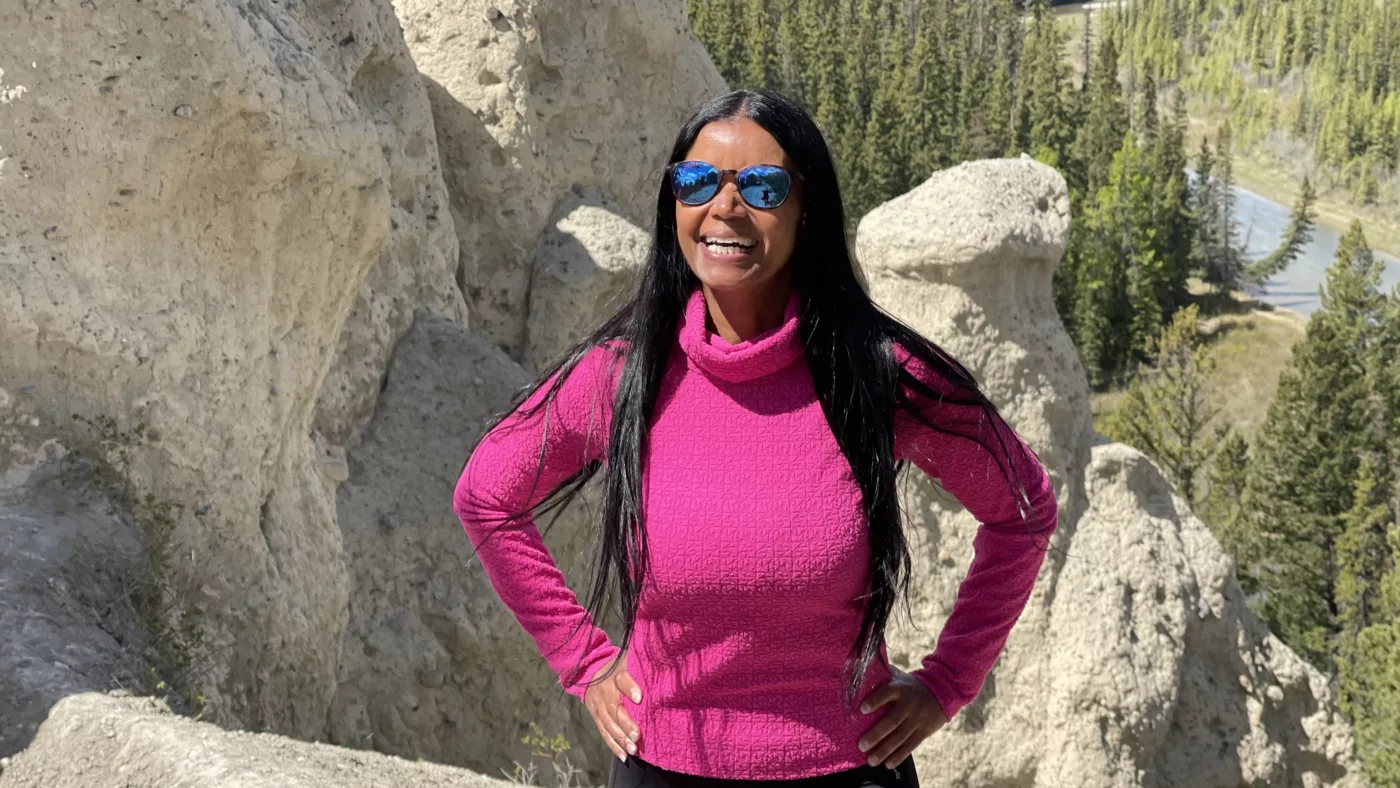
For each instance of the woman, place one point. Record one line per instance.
(750, 406)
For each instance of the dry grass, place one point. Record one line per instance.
(1250, 342)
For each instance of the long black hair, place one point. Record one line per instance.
(849, 347)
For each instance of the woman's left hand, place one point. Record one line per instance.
(915, 716)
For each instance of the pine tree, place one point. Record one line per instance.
(1205, 211)
(1298, 235)
(1165, 413)
(1361, 553)
(813, 33)
(760, 69)
(999, 130)
(1373, 678)
(1171, 234)
(1304, 468)
(1147, 111)
(1101, 135)
(859, 41)
(885, 146)
(719, 27)
(1086, 49)
(974, 83)
(829, 75)
(1044, 127)
(924, 102)
(1369, 584)
(1283, 42)
(1224, 261)
(1302, 121)
(1225, 501)
(791, 54)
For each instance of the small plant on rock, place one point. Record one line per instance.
(176, 632)
(566, 775)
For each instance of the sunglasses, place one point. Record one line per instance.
(763, 186)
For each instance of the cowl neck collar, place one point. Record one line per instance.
(764, 354)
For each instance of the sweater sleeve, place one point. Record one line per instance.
(511, 470)
(1008, 551)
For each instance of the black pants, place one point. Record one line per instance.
(636, 773)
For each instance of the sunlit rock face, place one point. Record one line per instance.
(532, 98)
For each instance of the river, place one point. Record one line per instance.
(1262, 223)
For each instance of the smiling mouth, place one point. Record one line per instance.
(729, 247)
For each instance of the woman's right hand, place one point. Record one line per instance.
(604, 702)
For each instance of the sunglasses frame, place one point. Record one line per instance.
(793, 178)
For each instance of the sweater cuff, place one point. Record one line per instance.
(943, 692)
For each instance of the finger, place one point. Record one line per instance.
(628, 724)
(612, 745)
(910, 744)
(879, 697)
(615, 730)
(877, 733)
(601, 719)
(884, 752)
(624, 730)
(629, 687)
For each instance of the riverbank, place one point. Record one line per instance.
(1266, 177)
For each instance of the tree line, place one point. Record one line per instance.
(1322, 74)
(902, 88)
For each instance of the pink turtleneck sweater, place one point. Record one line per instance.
(758, 553)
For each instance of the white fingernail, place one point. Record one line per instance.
(632, 748)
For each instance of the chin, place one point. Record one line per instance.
(723, 275)
(730, 279)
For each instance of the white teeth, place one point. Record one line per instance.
(735, 245)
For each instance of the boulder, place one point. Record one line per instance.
(534, 97)
(585, 267)
(93, 740)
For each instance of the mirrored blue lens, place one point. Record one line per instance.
(764, 186)
(694, 182)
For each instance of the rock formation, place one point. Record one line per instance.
(584, 267)
(433, 664)
(198, 209)
(1136, 662)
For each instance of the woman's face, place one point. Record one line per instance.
(729, 244)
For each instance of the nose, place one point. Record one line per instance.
(728, 203)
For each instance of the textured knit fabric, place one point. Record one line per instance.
(757, 550)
